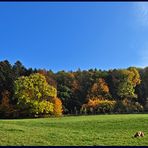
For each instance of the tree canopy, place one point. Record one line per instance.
(37, 92)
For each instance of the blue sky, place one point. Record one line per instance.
(72, 35)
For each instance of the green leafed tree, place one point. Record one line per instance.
(34, 95)
(129, 79)
(126, 90)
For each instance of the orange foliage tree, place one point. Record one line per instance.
(99, 90)
(57, 107)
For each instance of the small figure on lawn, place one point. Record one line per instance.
(139, 134)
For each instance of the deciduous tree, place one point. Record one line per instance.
(33, 91)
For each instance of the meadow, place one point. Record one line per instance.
(92, 130)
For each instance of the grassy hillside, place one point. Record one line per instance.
(80, 130)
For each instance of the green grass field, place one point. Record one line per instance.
(104, 130)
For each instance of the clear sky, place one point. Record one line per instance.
(72, 35)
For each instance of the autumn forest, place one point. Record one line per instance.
(27, 92)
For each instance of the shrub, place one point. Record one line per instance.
(128, 106)
(98, 106)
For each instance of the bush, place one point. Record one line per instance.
(98, 106)
(128, 106)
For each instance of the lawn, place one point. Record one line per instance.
(99, 130)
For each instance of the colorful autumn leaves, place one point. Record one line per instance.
(36, 97)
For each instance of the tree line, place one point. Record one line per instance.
(27, 92)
